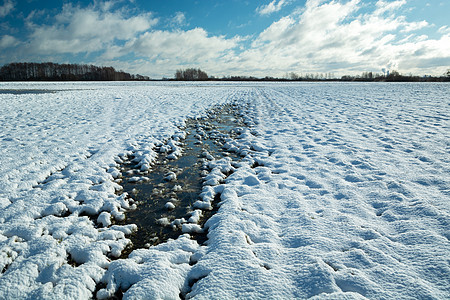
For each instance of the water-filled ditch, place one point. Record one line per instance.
(165, 194)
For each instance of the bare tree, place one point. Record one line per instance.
(52, 71)
(191, 74)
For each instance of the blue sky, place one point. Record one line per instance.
(259, 38)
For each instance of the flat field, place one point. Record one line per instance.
(341, 191)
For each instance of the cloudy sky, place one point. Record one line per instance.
(232, 37)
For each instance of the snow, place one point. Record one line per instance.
(341, 192)
(157, 273)
(171, 176)
(169, 205)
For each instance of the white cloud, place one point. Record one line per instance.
(271, 7)
(179, 19)
(179, 47)
(78, 30)
(326, 36)
(383, 6)
(6, 8)
(414, 26)
(444, 29)
(335, 36)
(340, 36)
(7, 41)
(277, 31)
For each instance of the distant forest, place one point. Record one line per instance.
(63, 72)
(191, 75)
(75, 72)
(393, 76)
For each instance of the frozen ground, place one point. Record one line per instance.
(342, 193)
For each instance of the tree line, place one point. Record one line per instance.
(395, 76)
(49, 71)
(191, 74)
(392, 76)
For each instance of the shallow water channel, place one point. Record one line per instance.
(153, 195)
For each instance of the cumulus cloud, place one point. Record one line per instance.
(6, 8)
(337, 36)
(340, 36)
(8, 41)
(272, 7)
(88, 29)
(173, 48)
(188, 46)
(115, 35)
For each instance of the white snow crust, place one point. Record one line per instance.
(342, 192)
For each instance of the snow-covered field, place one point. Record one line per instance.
(343, 192)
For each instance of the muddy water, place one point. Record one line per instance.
(153, 195)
